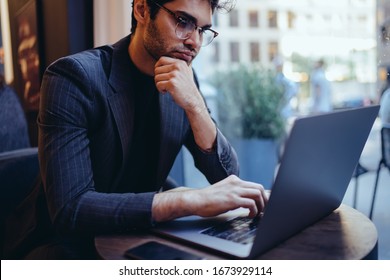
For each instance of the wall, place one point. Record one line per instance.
(6, 36)
(63, 27)
(67, 27)
(112, 20)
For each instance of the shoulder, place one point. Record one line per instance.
(89, 61)
(94, 63)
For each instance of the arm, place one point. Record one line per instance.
(229, 194)
(217, 160)
(176, 77)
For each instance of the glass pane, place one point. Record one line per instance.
(285, 47)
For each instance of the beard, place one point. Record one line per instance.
(157, 44)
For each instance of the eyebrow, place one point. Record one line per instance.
(193, 19)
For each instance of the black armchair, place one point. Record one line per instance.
(19, 167)
(13, 123)
(19, 170)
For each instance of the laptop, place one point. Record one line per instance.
(316, 167)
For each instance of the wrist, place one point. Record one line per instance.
(173, 204)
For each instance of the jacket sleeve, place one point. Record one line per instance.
(217, 164)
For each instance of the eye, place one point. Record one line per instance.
(182, 20)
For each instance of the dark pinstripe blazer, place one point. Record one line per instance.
(86, 126)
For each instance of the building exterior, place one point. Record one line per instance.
(258, 30)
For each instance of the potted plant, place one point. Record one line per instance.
(249, 104)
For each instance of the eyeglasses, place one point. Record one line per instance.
(185, 27)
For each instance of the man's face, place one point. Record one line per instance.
(160, 38)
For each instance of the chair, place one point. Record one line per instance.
(19, 166)
(13, 124)
(384, 162)
(359, 170)
(19, 170)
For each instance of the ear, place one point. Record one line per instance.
(140, 10)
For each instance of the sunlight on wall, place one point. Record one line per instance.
(5, 31)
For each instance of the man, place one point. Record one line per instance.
(384, 112)
(290, 87)
(112, 121)
(320, 90)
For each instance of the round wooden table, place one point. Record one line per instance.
(345, 234)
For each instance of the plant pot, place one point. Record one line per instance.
(258, 160)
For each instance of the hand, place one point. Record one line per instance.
(228, 194)
(176, 77)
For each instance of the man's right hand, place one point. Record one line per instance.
(223, 196)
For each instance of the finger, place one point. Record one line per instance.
(165, 69)
(163, 77)
(163, 86)
(265, 193)
(162, 62)
(260, 204)
(250, 205)
(259, 196)
(165, 60)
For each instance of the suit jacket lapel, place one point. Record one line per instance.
(172, 127)
(121, 98)
(121, 101)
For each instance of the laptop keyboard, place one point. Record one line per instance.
(240, 230)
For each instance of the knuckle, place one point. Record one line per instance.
(233, 179)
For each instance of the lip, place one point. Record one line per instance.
(186, 56)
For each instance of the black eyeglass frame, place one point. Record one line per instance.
(180, 19)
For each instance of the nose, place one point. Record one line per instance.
(195, 39)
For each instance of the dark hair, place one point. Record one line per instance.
(225, 5)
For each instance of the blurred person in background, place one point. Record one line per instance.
(320, 90)
(384, 112)
(290, 87)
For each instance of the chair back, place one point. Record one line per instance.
(13, 123)
(18, 171)
(385, 139)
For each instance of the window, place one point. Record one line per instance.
(216, 55)
(233, 18)
(273, 50)
(216, 20)
(300, 32)
(253, 17)
(291, 17)
(234, 52)
(272, 19)
(255, 51)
